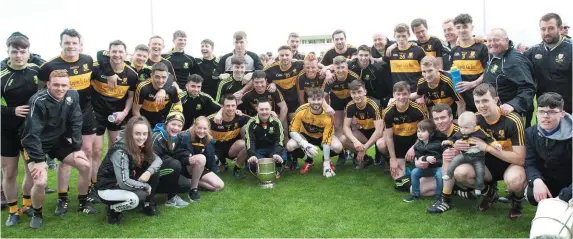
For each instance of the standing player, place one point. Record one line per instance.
(79, 69)
(340, 48)
(431, 45)
(234, 83)
(401, 118)
(54, 126)
(470, 57)
(183, 65)
(111, 103)
(437, 87)
(19, 83)
(310, 78)
(208, 68)
(156, 45)
(144, 101)
(252, 61)
(371, 73)
(366, 113)
(405, 59)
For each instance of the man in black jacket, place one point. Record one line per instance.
(53, 112)
(511, 74)
(548, 156)
(552, 60)
(264, 136)
(252, 60)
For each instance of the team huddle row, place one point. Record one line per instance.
(167, 134)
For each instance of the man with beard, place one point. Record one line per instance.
(260, 90)
(312, 128)
(340, 48)
(552, 59)
(195, 102)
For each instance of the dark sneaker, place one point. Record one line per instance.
(238, 173)
(36, 222)
(112, 216)
(87, 209)
(411, 198)
(342, 159)
(13, 219)
(366, 161)
(62, 207)
(516, 209)
(26, 210)
(151, 210)
(467, 194)
(441, 205)
(489, 198)
(93, 197)
(194, 195)
(49, 190)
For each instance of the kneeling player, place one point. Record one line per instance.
(366, 113)
(312, 127)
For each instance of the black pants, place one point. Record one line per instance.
(170, 179)
(554, 187)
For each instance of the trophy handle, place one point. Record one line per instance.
(252, 171)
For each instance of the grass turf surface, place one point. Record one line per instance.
(351, 204)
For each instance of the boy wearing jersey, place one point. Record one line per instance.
(283, 75)
(233, 83)
(195, 102)
(312, 127)
(437, 87)
(338, 90)
(366, 113)
(405, 58)
(401, 118)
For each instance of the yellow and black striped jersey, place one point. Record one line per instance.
(286, 80)
(105, 99)
(339, 87)
(319, 126)
(470, 60)
(507, 130)
(443, 92)
(329, 55)
(365, 116)
(153, 111)
(228, 86)
(251, 99)
(433, 47)
(306, 83)
(228, 131)
(404, 123)
(405, 65)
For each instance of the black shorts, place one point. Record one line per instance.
(401, 150)
(496, 167)
(313, 141)
(60, 150)
(367, 132)
(88, 124)
(11, 144)
(222, 150)
(101, 123)
(339, 104)
(292, 105)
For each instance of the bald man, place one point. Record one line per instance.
(381, 43)
(511, 74)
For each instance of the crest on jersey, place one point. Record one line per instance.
(472, 54)
(271, 130)
(411, 55)
(464, 55)
(36, 80)
(559, 58)
(367, 77)
(493, 69)
(186, 65)
(501, 134)
(69, 100)
(198, 107)
(85, 66)
(294, 71)
(538, 56)
(429, 47)
(124, 81)
(287, 75)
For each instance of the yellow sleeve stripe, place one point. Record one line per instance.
(220, 88)
(420, 108)
(421, 81)
(520, 129)
(247, 137)
(376, 109)
(388, 108)
(353, 74)
(138, 90)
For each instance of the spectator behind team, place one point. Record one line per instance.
(548, 150)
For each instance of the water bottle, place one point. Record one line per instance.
(456, 77)
(111, 118)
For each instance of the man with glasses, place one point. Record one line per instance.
(548, 156)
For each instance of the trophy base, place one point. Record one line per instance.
(267, 184)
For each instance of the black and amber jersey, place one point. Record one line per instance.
(507, 130)
(183, 65)
(18, 86)
(329, 55)
(470, 60)
(405, 65)
(306, 83)
(208, 70)
(193, 107)
(432, 47)
(105, 99)
(338, 89)
(167, 63)
(366, 116)
(319, 126)
(443, 92)
(404, 123)
(228, 86)
(286, 80)
(251, 99)
(145, 96)
(80, 73)
(228, 131)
